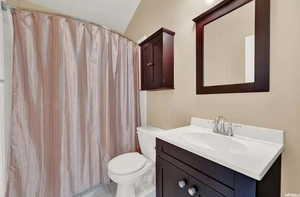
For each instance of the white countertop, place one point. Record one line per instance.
(252, 151)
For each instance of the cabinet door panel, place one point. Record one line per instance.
(152, 64)
(147, 63)
(157, 60)
(169, 177)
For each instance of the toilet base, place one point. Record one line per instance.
(125, 190)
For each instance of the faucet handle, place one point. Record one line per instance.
(220, 117)
(229, 129)
(216, 120)
(215, 124)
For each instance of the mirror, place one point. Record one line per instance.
(229, 48)
(233, 47)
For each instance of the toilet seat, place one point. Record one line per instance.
(127, 164)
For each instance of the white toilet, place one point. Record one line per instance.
(128, 170)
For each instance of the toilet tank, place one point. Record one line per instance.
(147, 137)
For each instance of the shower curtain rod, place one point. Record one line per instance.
(6, 6)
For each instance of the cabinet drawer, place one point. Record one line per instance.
(209, 168)
(169, 178)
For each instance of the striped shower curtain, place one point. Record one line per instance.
(6, 36)
(74, 106)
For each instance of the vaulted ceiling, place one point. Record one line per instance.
(114, 14)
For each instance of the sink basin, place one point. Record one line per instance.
(251, 151)
(215, 142)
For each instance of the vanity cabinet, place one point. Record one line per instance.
(185, 185)
(180, 173)
(157, 61)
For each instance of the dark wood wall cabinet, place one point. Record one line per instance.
(180, 173)
(157, 61)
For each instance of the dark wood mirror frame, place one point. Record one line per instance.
(262, 47)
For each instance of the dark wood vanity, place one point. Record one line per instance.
(157, 61)
(180, 173)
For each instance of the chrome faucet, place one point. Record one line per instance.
(222, 126)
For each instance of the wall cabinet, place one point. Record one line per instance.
(180, 173)
(157, 61)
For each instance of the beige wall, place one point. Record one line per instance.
(280, 108)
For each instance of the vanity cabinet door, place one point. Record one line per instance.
(174, 182)
(168, 180)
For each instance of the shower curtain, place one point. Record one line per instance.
(6, 40)
(2, 125)
(74, 106)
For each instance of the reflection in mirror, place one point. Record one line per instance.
(229, 48)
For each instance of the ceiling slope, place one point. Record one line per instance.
(113, 14)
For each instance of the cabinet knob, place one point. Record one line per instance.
(192, 191)
(182, 184)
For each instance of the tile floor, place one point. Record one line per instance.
(105, 191)
(99, 191)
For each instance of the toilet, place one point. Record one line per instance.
(129, 170)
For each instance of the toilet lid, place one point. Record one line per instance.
(127, 163)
